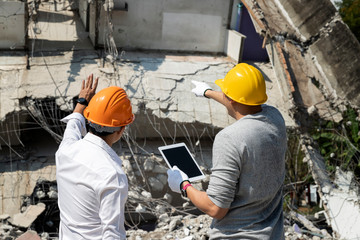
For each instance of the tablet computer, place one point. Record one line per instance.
(178, 154)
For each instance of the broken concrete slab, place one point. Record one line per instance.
(29, 235)
(342, 206)
(340, 66)
(343, 180)
(160, 82)
(26, 218)
(4, 217)
(344, 214)
(318, 32)
(307, 16)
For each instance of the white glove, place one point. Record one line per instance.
(175, 178)
(200, 88)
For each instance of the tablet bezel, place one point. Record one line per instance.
(193, 179)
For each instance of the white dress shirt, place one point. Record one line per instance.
(92, 186)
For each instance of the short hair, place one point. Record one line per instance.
(102, 131)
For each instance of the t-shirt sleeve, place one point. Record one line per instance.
(225, 171)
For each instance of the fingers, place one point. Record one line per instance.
(89, 81)
(95, 84)
(83, 84)
(195, 82)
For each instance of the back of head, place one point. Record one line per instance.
(244, 84)
(109, 110)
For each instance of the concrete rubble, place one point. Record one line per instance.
(343, 203)
(339, 198)
(25, 219)
(29, 235)
(171, 223)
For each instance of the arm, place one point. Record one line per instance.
(204, 90)
(201, 200)
(217, 96)
(75, 123)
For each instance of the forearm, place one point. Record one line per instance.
(202, 201)
(217, 96)
(79, 108)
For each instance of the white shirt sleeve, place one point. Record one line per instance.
(75, 129)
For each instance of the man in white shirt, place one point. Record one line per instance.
(92, 186)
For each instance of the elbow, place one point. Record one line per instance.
(218, 213)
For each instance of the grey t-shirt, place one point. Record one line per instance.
(247, 177)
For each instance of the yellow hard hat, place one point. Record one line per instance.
(110, 107)
(244, 84)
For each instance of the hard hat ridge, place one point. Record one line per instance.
(110, 107)
(244, 84)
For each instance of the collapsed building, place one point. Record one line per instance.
(309, 57)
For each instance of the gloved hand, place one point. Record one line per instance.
(175, 178)
(200, 88)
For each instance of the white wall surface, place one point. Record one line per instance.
(12, 25)
(183, 25)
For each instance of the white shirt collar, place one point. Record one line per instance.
(98, 141)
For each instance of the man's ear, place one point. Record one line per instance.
(122, 130)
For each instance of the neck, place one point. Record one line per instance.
(108, 140)
(243, 110)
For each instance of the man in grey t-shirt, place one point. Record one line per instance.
(245, 190)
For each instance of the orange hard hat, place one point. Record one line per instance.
(110, 107)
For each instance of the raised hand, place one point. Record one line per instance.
(88, 89)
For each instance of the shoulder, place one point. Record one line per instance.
(271, 111)
(93, 158)
(230, 139)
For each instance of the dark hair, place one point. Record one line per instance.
(99, 134)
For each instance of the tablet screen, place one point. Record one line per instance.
(179, 155)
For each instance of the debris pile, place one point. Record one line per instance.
(146, 218)
(39, 215)
(175, 227)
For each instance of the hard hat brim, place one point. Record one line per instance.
(219, 82)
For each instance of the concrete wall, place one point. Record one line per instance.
(170, 25)
(12, 25)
